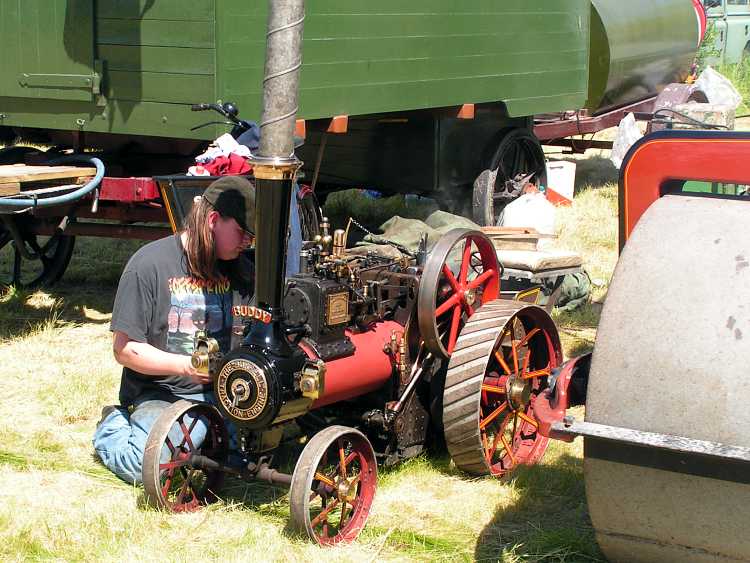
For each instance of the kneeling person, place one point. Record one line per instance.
(169, 290)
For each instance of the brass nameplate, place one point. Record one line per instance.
(337, 311)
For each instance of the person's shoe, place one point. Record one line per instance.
(108, 410)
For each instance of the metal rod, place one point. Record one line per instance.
(260, 471)
(198, 461)
(417, 370)
(669, 442)
(319, 160)
(265, 473)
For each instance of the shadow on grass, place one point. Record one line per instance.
(84, 295)
(549, 521)
(23, 313)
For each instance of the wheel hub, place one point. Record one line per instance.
(346, 490)
(240, 390)
(519, 392)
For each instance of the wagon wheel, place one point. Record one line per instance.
(500, 366)
(169, 480)
(51, 256)
(333, 485)
(309, 213)
(452, 287)
(517, 156)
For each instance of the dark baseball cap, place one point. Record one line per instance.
(233, 196)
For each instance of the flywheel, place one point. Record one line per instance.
(503, 357)
(461, 273)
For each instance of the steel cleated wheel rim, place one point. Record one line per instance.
(500, 366)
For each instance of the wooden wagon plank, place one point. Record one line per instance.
(9, 188)
(19, 173)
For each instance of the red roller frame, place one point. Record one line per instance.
(658, 158)
(551, 407)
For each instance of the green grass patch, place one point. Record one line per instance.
(739, 75)
(23, 545)
(80, 395)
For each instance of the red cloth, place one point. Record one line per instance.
(232, 165)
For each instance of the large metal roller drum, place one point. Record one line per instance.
(671, 357)
(637, 48)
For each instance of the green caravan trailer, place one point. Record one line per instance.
(429, 87)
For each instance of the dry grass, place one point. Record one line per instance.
(57, 502)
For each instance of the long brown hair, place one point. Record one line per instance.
(201, 255)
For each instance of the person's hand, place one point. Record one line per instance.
(193, 374)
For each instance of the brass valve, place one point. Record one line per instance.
(312, 379)
(205, 349)
(403, 373)
(397, 349)
(326, 240)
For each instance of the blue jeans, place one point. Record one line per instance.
(120, 439)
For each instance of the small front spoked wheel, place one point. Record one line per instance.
(184, 430)
(333, 485)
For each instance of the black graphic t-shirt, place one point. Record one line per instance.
(158, 302)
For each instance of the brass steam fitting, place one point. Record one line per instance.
(339, 242)
(402, 358)
(326, 240)
(312, 380)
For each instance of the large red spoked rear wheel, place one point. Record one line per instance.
(461, 274)
(506, 353)
(333, 486)
(169, 480)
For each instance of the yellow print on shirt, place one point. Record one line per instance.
(188, 285)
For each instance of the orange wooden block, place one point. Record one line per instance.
(339, 124)
(466, 111)
(299, 128)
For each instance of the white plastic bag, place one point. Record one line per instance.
(530, 210)
(718, 89)
(627, 135)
